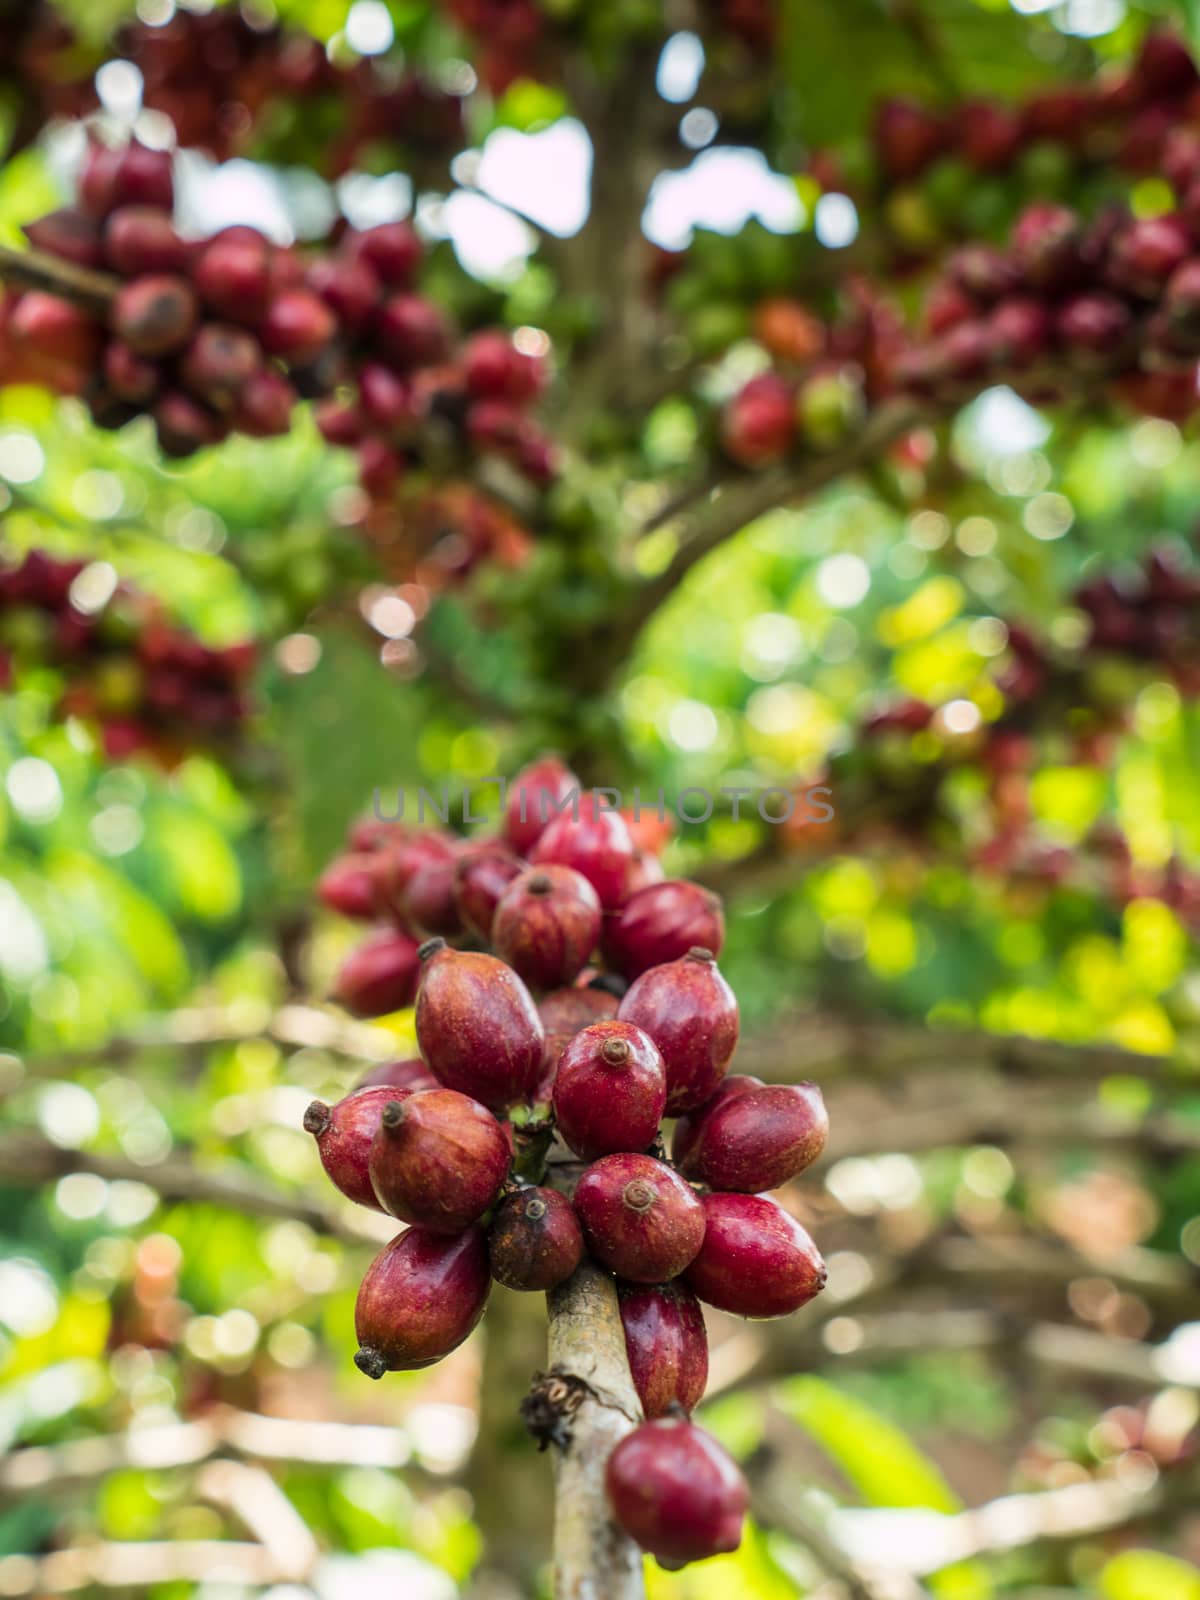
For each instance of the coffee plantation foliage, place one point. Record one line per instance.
(880, 498)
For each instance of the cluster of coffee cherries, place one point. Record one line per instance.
(228, 81)
(224, 334)
(529, 1133)
(894, 778)
(148, 686)
(936, 170)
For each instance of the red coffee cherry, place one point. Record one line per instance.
(344, 1133)
(183, 425)
(428, 901)
(141, 239)
(143, 177)
(219, 362)
(535, 1240)
(401, 860)
(676, 1492)
(639, 1218)
(688, 1127)
(54, 328)
(596, 843)
(420, 1299)
(907, 137)
(69, 234)
(297, 325)
(132, 378)
(1046, 246)
(533, 797)
(662, 923)
(233, 274)
(348, 885)
(564, 1012)
(387, 399)
(1021, 331)
(690, 1012)
(481, 875)
(412, 331)
(438, 1159)
(759, 1140)
(391, 249)
(1094, 330)
(411, 1074)
(547, 924)
(759, 423)
(264, 405)
(667, 1345)
(496, 370)
(754, 1260)
(155, 315)
(349, 287)
(477, 1026)
(381, 975)
(610, 1090)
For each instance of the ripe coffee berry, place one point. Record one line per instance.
(661, 923)
(344, 1133)
(481, 875)
(381, 975)
(676, 1492)
(754, 1259)
(155, 315)
(533, 799)
(687, 1128)
(350, 885)
(564, 1012)
(438, 1159)
(411, 1073)
(535, 1241)
(419, 1300)
(690, 1012)
(758, 1140)
(596, 842)
(666, 1343)
(477, 1026)
(546, 925)
(639, 1218)
(610, 1090)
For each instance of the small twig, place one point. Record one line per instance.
(34, 269)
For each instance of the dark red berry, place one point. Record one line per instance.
(754, 1260)
(667, 1345)
(439, 1159)
(690, 1012)
(907, 137)
(140, 239)
(264, 405)
(1021, 331)
(533, 799)
(547, 924)
(496, 370)
(155, 315)
(132, 378)
(595, 841)
(349, 287)
(297, 325)
(412, 332)
(387, 399)
(381, 975)
(639, 1218)
(564, 1013)
(1094, 330)
(661, 923)
(233, 275)
(1046, 244)
(410, 1074)
(477, 1026)
(759, 423)
(349, 885)
(676, 1492)
(1144, 255)
(69, 234)
(392, 250)
(760, 1140)
(481, 875)
(183, 425)
(401, 861)
(688, 1127)
(420, 1299)
(427, 901)
(219, 362)
(610, 1090)
(535, 1241)
(344, 1133)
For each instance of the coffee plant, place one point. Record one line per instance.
(735, 462)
